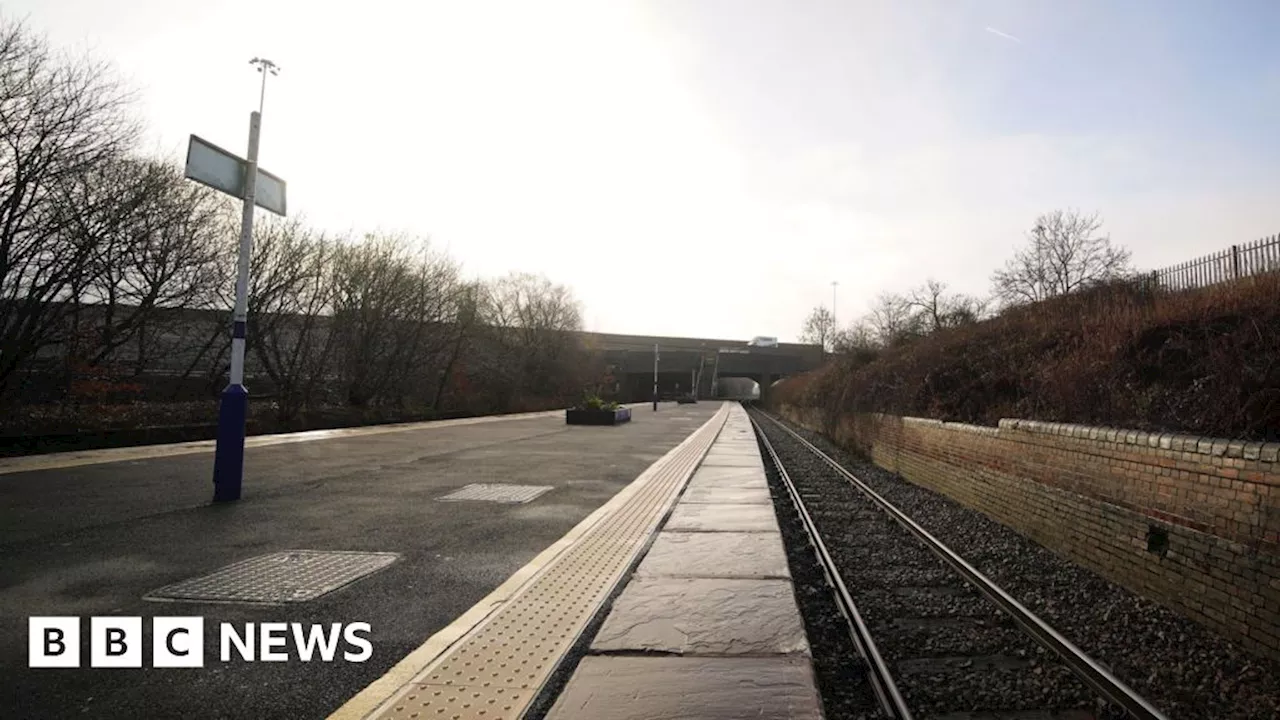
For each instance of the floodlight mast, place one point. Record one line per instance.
(265, 67)
(834, 283)
(233, 410)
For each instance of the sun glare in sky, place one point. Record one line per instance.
(709, 168)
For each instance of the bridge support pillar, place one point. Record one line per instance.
(765, 381)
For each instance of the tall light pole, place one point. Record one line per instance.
(265, 67)
(834, 283)
(655, 377)
(233, 410)
(715, 376)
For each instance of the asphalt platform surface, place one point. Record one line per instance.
(94, 539)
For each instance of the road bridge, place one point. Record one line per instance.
(687, 363)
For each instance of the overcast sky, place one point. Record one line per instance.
(708, 168)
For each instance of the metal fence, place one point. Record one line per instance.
(1235, 262)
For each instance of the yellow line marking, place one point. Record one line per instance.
(368, 701)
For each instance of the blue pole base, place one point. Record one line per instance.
(228, 457)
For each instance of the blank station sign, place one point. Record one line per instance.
(211, 165)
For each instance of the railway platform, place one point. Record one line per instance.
(516, 567)
(421, 532)
(706, 625)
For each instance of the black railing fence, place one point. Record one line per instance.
(1237, 261)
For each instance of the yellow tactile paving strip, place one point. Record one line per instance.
(54, 461)
(497, 669)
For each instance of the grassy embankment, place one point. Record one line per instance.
(1203, 361)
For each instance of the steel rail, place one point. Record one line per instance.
(1089, 670)
(891, 702)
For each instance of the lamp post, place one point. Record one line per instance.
(655, 377)
(233, 410)
(715, 376)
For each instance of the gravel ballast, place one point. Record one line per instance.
(1186, 670)
(840, 673)
(950, 650)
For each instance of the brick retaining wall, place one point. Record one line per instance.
(1190, 522)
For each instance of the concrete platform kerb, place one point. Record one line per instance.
(714, 596)
(492, 661)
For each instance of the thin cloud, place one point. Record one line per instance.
(1003, 34)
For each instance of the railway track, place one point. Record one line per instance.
(938, 638)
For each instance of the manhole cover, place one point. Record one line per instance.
(283, 577)
(497, 493)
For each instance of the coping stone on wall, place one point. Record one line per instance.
(1177, 442)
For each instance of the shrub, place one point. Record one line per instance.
(594, 402)
(1121, 353)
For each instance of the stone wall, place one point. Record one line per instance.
(1190, 522)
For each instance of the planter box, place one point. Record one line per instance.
(597, 417)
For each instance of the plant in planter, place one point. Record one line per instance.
(594, 411)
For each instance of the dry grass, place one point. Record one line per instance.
(1204, 361)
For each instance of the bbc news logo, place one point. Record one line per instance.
(178, 642)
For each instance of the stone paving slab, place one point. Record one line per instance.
(704, 616)
(743, 446)
(679, 688)
(744, 451)
(713, 588)
(703, 517)
(731, 495)
(729, 477)
(736, 449)
(716, 555)
(714, 459)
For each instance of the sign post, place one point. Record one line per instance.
(217, 168)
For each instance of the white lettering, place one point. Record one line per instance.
(230, 637)
(115, 642)
(316, 638)
(177, 642)
(271, 636)
(353, 639)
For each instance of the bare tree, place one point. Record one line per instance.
(153, 237)
(392, 295)
(819, 328)
(467, 309)
(939, 309)
(1066, 252)
(292, 296)
(858, 337)
(533, 321)
(59, 117)
(894, 320)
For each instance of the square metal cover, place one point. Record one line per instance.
(282, 577)
(497, 493)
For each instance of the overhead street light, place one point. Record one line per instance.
(834, 283)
